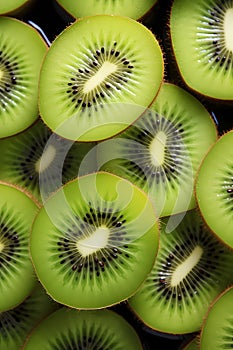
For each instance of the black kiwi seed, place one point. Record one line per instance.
(113, 82)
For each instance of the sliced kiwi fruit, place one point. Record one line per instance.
(163, 149)
(17, 278)
(15, 324)
(192, 344)
(216, 332)
(14, 7)
(40, 161)
(130, 8)
(98, 76)
(192, 267)
(201, 36)
(214, 188)
(22, 50)
(86, 329)
(94, 241)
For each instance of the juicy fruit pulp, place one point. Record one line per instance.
(91, 237)
(201, 33)
(93, 76)
(21, 53)
(87, 329)
(214, 188)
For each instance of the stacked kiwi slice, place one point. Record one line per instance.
(116, 181)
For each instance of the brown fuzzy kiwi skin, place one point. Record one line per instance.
(195, 195)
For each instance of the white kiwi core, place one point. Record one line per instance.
(105, 70)
(97, 240)
(183, 269)
(157, 148)
(228, 29)
(46, 159)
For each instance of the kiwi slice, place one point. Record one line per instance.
(86, 329)
(214, 188)
(94, 241)
(131, 8)
(192, 267)
(217, 333)
(163, 149)
(15, 324)
(193, 344)
(201, 36)
(40, 161)
(22, 50)
(17, 278)
(14, 6)
(98, 76)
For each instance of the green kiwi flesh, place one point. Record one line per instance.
(130, 8)
(214, 188)
(161, 152)
(98, 76)
(9, 7)
(201, 36)
(192, 344)
(216, 333)
(22, 50)
(94, 241)
(192, 267)
(40, 161)
(15, 324)
(17, 278)
(86, 329)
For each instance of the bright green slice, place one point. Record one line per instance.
(214, 188)
(86, 329)
(192, 267)
(131, 8)
(98, 77)
(162, 150)
(217, 329)
(17, 278)
(7, 7)
(22, 50)
(94, 241)
(201, 35)
(16, 323)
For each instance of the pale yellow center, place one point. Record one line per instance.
(157, 148)
(183, 269)
(1, 247)
(46, 159)
(228, 29)
(91, 244)
(105, 70)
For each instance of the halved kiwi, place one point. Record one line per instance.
(214, 188)
(14, 6)
(98, 76)
(86, 329)
(15, 324)
(94, 241)
(192, 267)
(217, 332)
(22, 50)
(132, 8)
(162, 150)
(201, 36)
(40, 161)
(17, 278)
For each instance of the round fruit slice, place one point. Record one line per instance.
(41, 161)
(94, 241)
(214, 188)
(86, 329)
(201, 33)
(15, 324)
(22, 50)
(17, 278)
(216, 333)
(192, 267)
(99, 76)
(130, 8)
(9, 7)
(162, 150)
